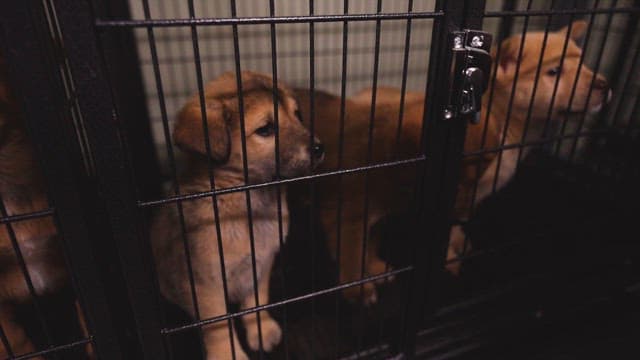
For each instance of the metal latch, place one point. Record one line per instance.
(471, 68)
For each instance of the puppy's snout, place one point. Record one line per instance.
(317, 151)
(600, 84)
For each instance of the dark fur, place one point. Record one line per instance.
(22, 192)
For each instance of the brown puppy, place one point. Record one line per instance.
(22, 192)
(296, 158)
(389, 190)
(385, 198)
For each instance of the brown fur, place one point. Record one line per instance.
(384, 195)
(221, 97)
(21, 191)
(384, 184)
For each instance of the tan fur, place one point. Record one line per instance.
(221, 99)
(21, 190)
(390, 189)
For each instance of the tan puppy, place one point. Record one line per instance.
(390, 189)
(563, 104)
(22, 192)
(296, 158)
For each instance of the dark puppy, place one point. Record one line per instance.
(22, 192)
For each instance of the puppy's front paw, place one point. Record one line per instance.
(456, 250)
(369, 294)
(225, 354)
(271, 334)
(386, 279)
(454, 267)
(240, 354)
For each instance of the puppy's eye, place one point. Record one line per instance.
(266, 130)
(299, 115)
(554, 71)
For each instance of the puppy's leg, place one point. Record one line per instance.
(455, 250)
(507, 169)
(375, 265)
(271, 333)
(216, 335)
(351, 246)
(508, 166)
(18, 340)
(351, 263)
(85, 331)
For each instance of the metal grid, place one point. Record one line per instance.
(611, 30)
(177, 49)
(63, 311)
(237, 60)
(609, 46)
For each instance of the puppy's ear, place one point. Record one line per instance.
(578, 28)
(508, 57)
(189, 135)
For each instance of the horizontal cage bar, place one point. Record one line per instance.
(102, 24)
(584, 133)
(621, 10)
(173, 199)
(311, 295)
(26, 216)
(54, 349)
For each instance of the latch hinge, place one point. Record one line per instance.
(471, 68)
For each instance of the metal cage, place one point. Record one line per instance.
(98, 83)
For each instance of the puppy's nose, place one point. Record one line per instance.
(600, 84)
(317, 150)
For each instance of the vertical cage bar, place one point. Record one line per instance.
(547, 122)
(276, 120)
(216, 213)
(617, 77)
(403, 85)
(174, 171)
(512, 96)
(533, 96)
(343, 89)
(24, 35)
(403, 92)
(129, 96)
(5, 343)
(22, 264)
(583, 116)
(587, 37)
(443, 141)
(365, 216)
(626, 84)
(560, 19)
(630, 125)
(312, 187)
(96, 104)
(245, 168)
(506, 25)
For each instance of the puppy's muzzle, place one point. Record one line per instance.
(317, 152)
(601, 85)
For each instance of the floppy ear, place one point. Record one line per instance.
(578, 28)
(188, 133)
(508, 57)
